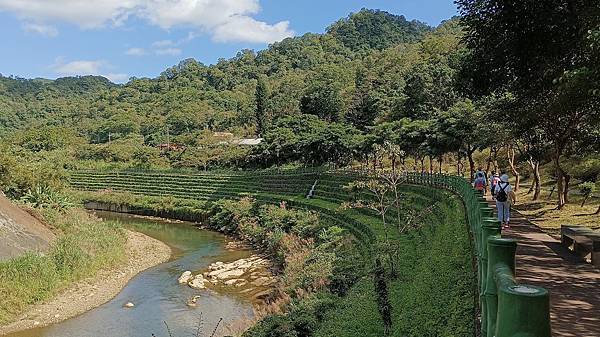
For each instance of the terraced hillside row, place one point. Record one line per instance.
(201, 186)
(273, 187)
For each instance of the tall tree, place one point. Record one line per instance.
(537, 51)
(261, 105)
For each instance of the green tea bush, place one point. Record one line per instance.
(321, 247)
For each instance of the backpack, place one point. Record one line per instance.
(479, 183)
(501, 195)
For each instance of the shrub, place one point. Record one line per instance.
(302, 318)
(587, 170)
(42, 196)
(587, 189)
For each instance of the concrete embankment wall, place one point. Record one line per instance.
(20, 232)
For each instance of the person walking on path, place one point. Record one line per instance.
(494, 180)
(480, 182)
(504, 198)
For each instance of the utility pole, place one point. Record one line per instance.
(168, 147)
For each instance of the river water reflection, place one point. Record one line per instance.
(155, 292)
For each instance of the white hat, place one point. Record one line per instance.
(504, 178)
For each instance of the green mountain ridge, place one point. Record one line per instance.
(219, 97)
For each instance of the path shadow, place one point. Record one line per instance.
(587, 214)
(564, 252)
(529, 206)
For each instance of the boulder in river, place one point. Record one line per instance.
(129, 305)
(197, 282)
(193, 301)
(227, 274)
(185, 277)
(233, 281)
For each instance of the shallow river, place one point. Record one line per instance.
(157, 295)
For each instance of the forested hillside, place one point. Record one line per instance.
(369, 68)
(191, 95)
(372, 79)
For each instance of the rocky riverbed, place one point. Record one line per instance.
(250, 277)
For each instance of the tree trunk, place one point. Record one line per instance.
(458, 165)
(440, 162)
(495, 158)
(531, 187)
(560, 174)
(511, 161)
(567, 185)
(489, 164)
(537, 180)
(585, 198)
(471, 164)
(430, 165)
(423, 164)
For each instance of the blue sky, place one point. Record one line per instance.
(123, 38)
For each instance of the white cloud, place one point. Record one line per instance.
(243, 28)
(117, 78)
(86, 14)
(86, 67)
(168, 51)
(190, 36)
(41, 29)
(162, 43)
(135, 51)
(75, 68)
(225, 20)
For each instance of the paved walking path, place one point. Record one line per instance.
(574, 285)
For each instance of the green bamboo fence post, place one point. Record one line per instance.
(491, 227)
(500, 251)
(523, 311)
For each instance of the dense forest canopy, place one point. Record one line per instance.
(313, 73)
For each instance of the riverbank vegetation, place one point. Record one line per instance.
(85, 246)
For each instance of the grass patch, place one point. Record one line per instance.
(356, 314)
(86, 246)
(544, 214)
(432, 296)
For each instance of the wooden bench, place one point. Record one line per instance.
(584, 241)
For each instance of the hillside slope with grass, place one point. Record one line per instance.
(20, 232)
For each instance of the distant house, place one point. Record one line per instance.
(223, 135)
(248, 141)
